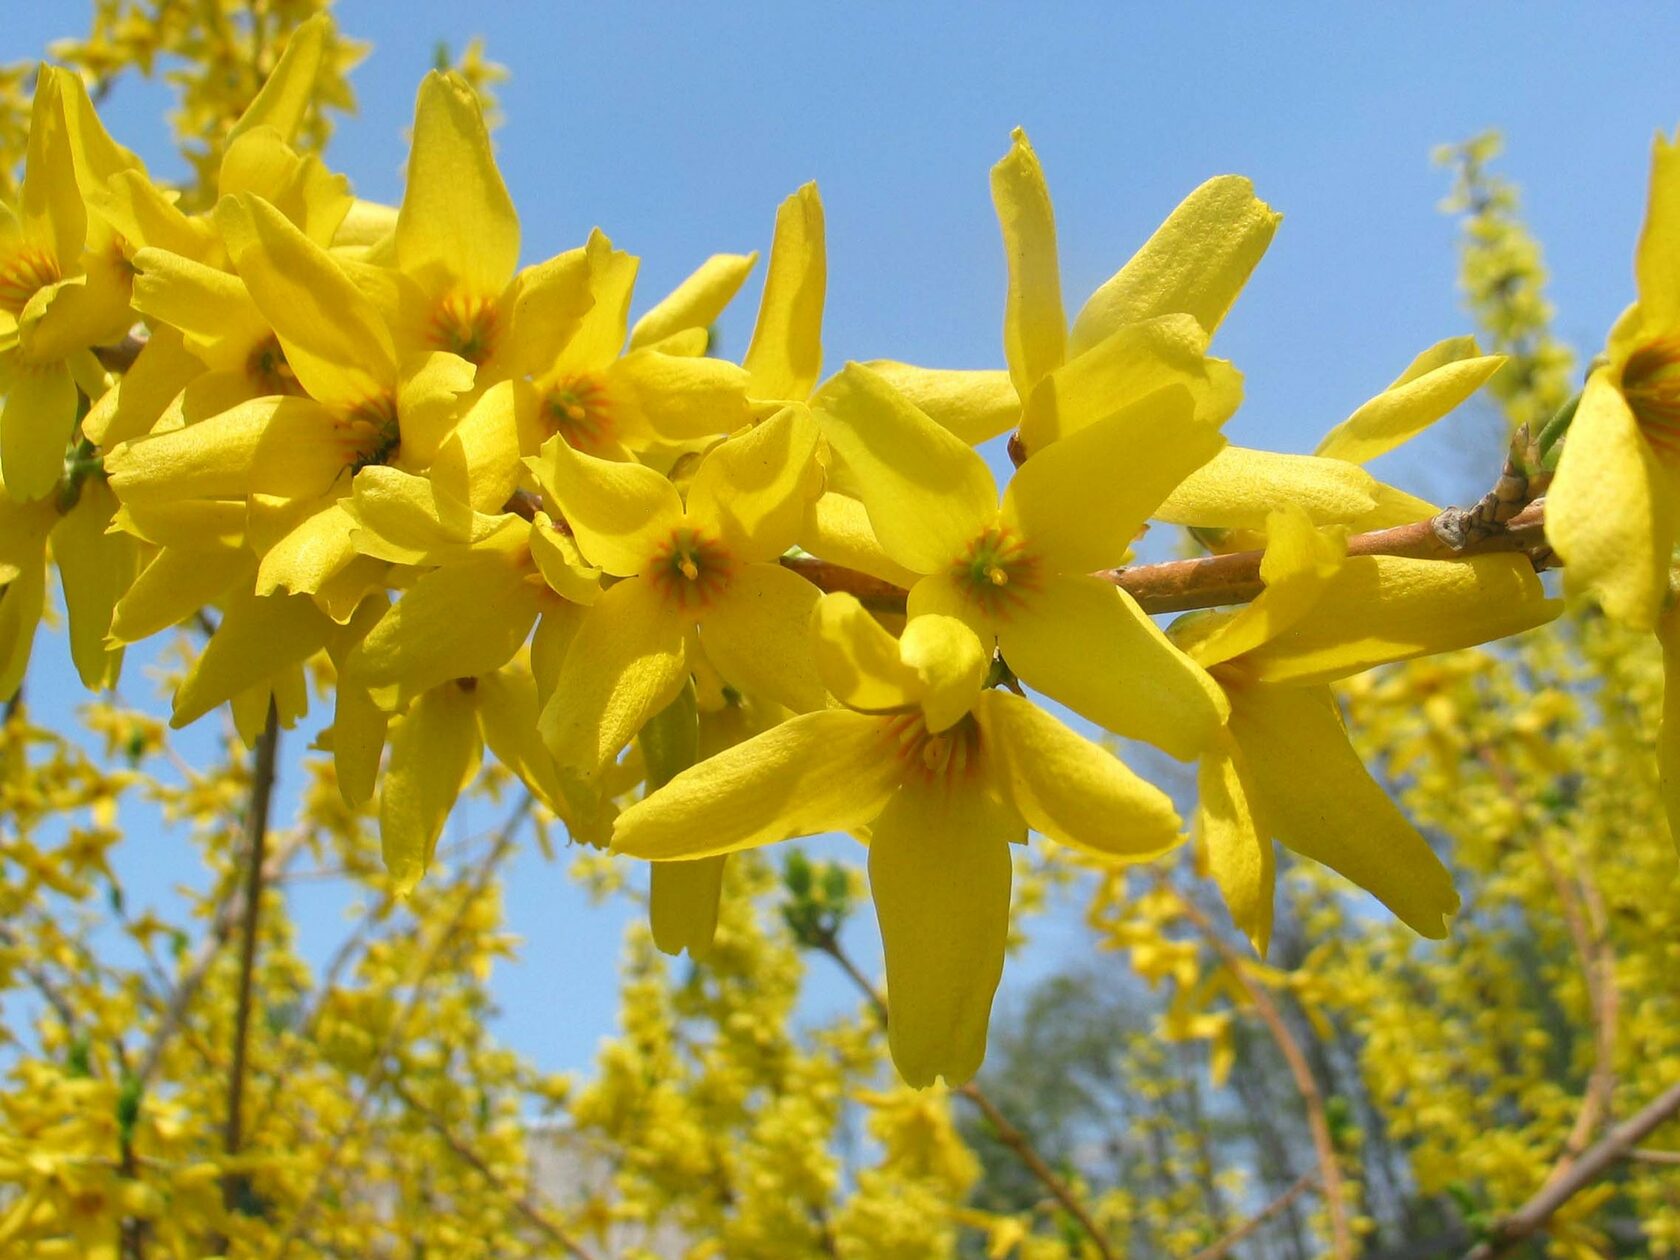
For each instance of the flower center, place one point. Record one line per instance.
(690, 570)
(371, 433)
(269, 371)
(579, 409)
(950, 756)
(23, 275)
(1651, 385)
(465, 326)
(996, 570)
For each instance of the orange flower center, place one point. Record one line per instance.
(1651, 385)
(371, 433)
(269, 371)
(690, 569)
(996, 570)
(949, 756)
(466, 326)
(25, 274)
(579, 409)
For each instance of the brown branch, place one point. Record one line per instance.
(1213, 581)
(1219, 1250)
(1532, 1216)
(521, 1202)
(1669, 1158)
(1011, 1137)
(1329, 1175)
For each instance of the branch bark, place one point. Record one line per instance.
(1219, 1250)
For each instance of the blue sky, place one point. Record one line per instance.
(678, 127)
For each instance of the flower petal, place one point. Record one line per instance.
(619, 513)
(1315, 797)
(1239, 488)
(683, 904)
(1427, 390)
(927, 493)
(976, 405)
(1657, 264)
(752, 490)
(824, 771)
(1086, 643)
(837, 529)
(96, 569)
(35, 427)
(1239, 857)
(697, 301)
(285, 96)
(785, 354)
(677, 398)
(256, 639)
(1196, 262)
(434, 752)
(757, 634)
(1668, 737)
(1034, 323)
(939, 873)
(1070, 789)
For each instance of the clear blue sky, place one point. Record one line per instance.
(678, 127)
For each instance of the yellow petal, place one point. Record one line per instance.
(213, 310)
(459, 621)
(1657, 265)
(1034, 324)
(1427, 390)
(785, 354)
(751, 490)
(256, 639)
(939, 874)
(561, 564)
(1086, 643)
(176, 585)
(132, 406)
(1387, 608)
(1334, 812)
(600, 330)
(408, 519)
(683, 904)
(858, 661)
(625, 663)
(284, 99)
(950, 664)
(428, 403)
(50, 204)
(976, 405)
(619, 513)
(677, 398)
(145, 216)
(1613, 510)
(927, 493)
(1196, 262)
(1239, 855)
(457, 228)
(837, 529)
(333, 335)
(35, 427)
(1071, 508)
(1131, 363)
(96, 568)
(1070, 789)
(825, 771)
(697, 301)
(1668, 738)
(549, 304)
(358, 740)
(479, 460)
(1239, 488)
(304, 545)
(507, 716)
(757, 634)
(434, 752)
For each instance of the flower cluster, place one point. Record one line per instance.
(698, 606)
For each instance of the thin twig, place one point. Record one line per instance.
(1312, 1098)
(1532, 1216)
(1011, 1137)
(1669, 1158)
(1279, 1205)
(521, 1202)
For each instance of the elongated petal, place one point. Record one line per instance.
(560, 563)
(304, 546)
(1613, 510)
(21, 603)
(50, 203)
(676, 397)
(358, 742)
(1425, 392)
(1387, 608)
(619, 513)
(283, 102)
(697, 301)
(409, 519)
(96, 568)
(938, 663)
(459, 621)
(1074, 511)
(1086, 643)
(752, 490)
(282, 446)
(221, 323)
(785, 354)
(508, 713)
(132, 406)
(927, 493)
(434, 751)
(601, 327)
(683, 904)
(1239, 488)
(1318, 799)
(1237, 849)
(1657, 264)
(976, 405)
(428, 403)
(1196, 262)
(257, 637)
(939, 873)
(549, 304)
(175, 585)
(1668, 737)
(333, 335)
(623, 666)
(1070, 789)
(457, 226)
(35, 427)
(837, 528)
(1034, 323)
(757, 634)
(824, 771)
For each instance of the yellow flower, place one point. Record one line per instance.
(1613, 511)
(707, 566)
(1283, 767)
(945, 776)
(1019, 571)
